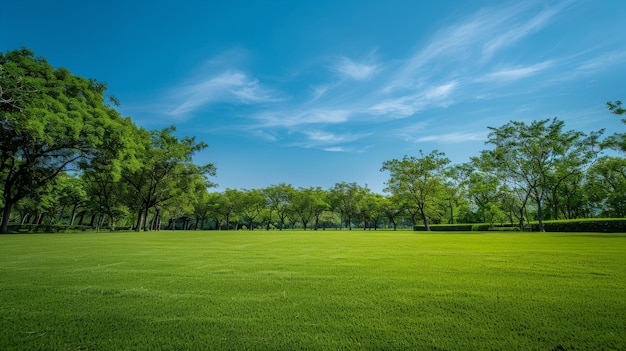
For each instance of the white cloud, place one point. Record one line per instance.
(518, 29)
(329, 141)
(456, 137)
(354, 70)
(319, 91)
(515, 73)
(291, 119)
(230, 86)
(470, 42)
(603, 61)
(406, 106)
(440, 92)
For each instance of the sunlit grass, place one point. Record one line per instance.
(313, 290)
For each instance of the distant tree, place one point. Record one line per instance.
(302, 202)
(391, 208)
(345, 198)
(372, 210)
(319, 205)
(162, 168)
(72, 195)
(420, 180)
(278, 200)
(606, 186)
(253, 206)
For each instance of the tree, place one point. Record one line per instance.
(254, 204)
(617, 140)
(200, 203)
(606, 186)
(163, 166)
(50, 120)
(530, 154)
(418, 179)
(278, 200)
(391, 207)
(371, 210)
(345, 198)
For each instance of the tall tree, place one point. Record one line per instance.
(278, 199)
(345, 198)
(606, 186)
(254, 204)
(163, 165)
(50, 120)
(531, 153)
(419, 179)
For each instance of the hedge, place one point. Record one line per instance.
(446, 227)
(45, 228)
(600, 225)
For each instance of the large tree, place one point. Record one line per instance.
(531, 154)
(420, 180)
(345, 198)
(163, 168)
(50, 120)
(278, 199)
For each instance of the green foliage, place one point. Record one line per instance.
(446, 227)
(420, 181)
(51, 121)
(597, 225)
(303, 290)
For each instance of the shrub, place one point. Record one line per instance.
(445, 227)
(601, 225)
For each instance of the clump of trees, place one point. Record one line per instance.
(67, 157)
(63, 145)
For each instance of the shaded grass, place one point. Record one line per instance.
(313, 290)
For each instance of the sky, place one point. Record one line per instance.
(312, 93)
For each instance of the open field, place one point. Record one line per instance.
(313, 290)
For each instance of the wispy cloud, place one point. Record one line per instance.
(354, 70)
(329, 141)
(232, 86)
(452, 66)
(518, 26)
(602, 61)
(515, 73)
(471, 42)
(455, 137)
(293, 119)
(408, 105)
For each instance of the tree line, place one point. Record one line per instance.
(68, 157)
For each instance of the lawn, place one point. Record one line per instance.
(313, 290)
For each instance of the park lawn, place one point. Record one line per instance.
(313, 290)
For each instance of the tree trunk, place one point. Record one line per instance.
(144, 224)
(73, 216)
(425, 219)
(4, 228)
(138, 225)
(540, 216)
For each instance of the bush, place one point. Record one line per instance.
(480, 227)
(445, 227)
(45, 228)
(600, 225)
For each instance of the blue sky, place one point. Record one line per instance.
(312, 93)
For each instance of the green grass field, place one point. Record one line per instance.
(313, 290)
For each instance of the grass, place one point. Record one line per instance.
(312, 290)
